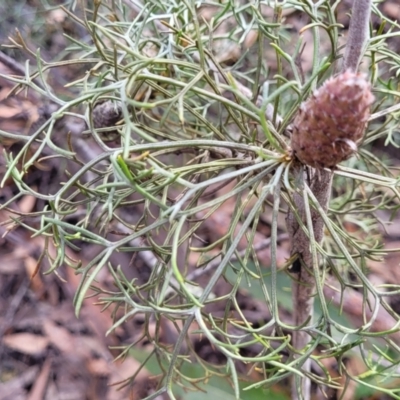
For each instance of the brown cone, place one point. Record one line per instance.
(331, 123)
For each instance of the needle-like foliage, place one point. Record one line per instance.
(178, 103)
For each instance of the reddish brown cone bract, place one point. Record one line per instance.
(331, 123)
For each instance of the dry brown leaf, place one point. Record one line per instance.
(59, 337)
(128, 368)
(27, 203)
(56, 16)
(98, 367)
(250, 39)
(40, 385)
(36, 279)
(27, 343)
(10, 264)
(392, 10)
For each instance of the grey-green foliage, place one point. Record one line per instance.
(189, 124)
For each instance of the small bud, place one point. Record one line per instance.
(331, 123)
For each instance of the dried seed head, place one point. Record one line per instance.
(331, 123)
(106, 114)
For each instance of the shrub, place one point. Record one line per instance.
(174, 146)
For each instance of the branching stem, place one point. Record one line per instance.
(304, 283)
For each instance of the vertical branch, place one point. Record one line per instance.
(304, 280)
(358, 34)
(320, 184)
